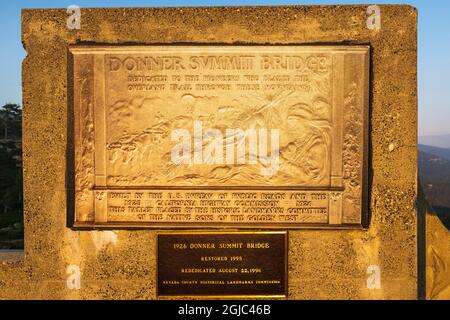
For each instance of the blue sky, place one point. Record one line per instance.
(434, 47)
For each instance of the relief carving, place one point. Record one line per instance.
(353, 133)
(198, 136)
(84, 160)
(145, 155)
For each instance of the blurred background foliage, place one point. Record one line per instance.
(11, 194)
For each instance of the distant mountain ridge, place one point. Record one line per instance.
(440, 141)
(441, 152)
(434, 173)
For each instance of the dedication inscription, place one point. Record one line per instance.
(207, 136)
(222, 264)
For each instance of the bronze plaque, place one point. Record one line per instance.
(214, 136)
(222, 264)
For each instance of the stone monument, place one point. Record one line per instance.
(219, 152)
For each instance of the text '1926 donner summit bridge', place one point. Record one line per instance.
(220, 136)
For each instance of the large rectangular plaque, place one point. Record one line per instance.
(214, 136)
(222, 264)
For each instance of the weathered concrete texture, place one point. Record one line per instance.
(437, 258)
(121, 264)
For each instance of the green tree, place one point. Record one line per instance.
(11, 121)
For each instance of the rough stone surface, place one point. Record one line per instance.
(437, 258)
(121, 264)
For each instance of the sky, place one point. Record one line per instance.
(434, 47)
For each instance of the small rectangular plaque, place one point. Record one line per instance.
(222, 264)
(213, 136)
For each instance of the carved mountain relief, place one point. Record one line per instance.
(270, 119)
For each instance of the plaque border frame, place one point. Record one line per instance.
(100, 220)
